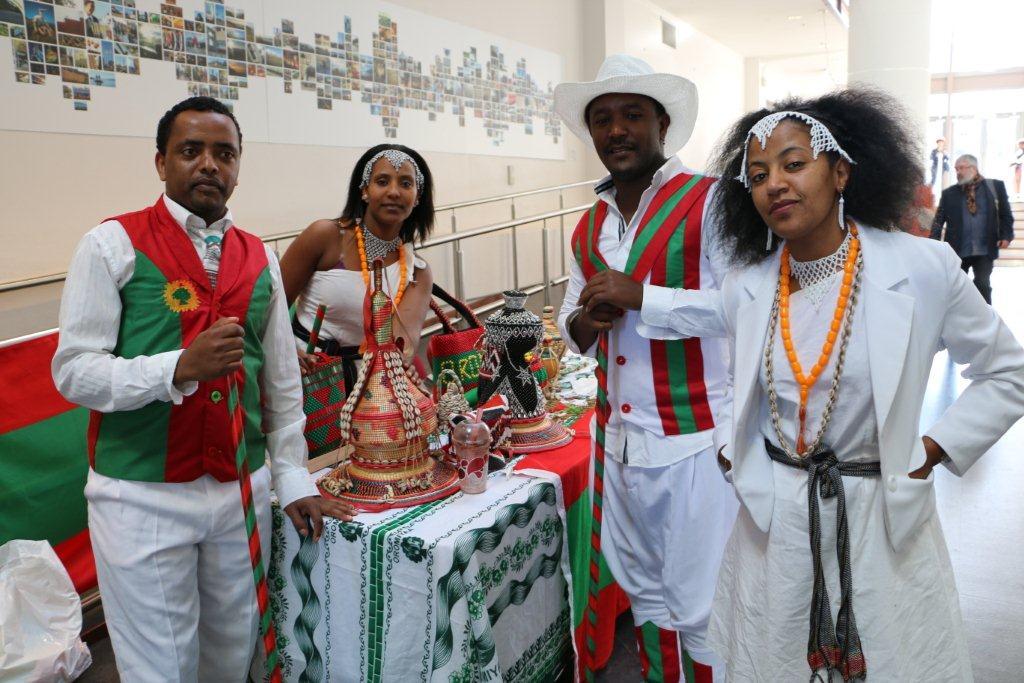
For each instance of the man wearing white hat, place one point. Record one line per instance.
(642, 298)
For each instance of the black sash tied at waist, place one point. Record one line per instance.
(835, 648)
(348, 354)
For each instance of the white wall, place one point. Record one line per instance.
(54, 187)
(717, 71)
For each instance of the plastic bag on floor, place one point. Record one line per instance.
(40, 616)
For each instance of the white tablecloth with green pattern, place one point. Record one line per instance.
(470, 588)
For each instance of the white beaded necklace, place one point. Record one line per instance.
(815, 277)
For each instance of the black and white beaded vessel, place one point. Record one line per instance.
(509, 335)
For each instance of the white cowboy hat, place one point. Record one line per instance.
(627, 74)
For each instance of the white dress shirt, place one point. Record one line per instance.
(666, 313)
(86, 371)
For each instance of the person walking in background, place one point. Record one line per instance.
(977, 219)
(940, 162)
(1016, 164)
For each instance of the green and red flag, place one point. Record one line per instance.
(43, 461)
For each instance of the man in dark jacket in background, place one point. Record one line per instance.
(976, 214)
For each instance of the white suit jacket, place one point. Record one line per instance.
(916, 301)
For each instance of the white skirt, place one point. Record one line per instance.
(905, 603)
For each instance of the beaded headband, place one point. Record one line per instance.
(396, 157)
(822, 139)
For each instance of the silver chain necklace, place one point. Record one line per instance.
(375, 247)
(769, 369)
(815, 277)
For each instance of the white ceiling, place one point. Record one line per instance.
(764, 28)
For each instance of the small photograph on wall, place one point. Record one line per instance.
(274, 57)
(287, 86)
(4, 32)
(38, 79)
(254, 53)
(53, 69)
(323, 103)
(195, 43)
(125, 31)
(22, 77)
(97, 19)
(216, 41)
(102, 79)
(236, 50)
(70, 20)
(12, 12)
(67, 92)
(20, 50)
(150, 41)
(40, 22)
(81, 92)
(107, 56)
(50, 54)
(81, 106)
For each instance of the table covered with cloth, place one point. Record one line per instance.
(486, 587)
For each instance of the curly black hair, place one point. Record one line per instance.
(163, 129)
(420, 222)
(875, 131)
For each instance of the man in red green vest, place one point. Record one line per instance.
(174, 332)
(642, 298)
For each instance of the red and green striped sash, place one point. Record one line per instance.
(666, 246)
(237, 416)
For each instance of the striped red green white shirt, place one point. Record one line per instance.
(655, 363)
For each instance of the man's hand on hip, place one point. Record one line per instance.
(1003, 244)
(215, 352)
(613, 288)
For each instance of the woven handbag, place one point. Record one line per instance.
(454, 349)
(323, 395)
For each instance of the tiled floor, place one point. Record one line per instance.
(982, 514)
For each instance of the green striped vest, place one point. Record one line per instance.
(165, 305)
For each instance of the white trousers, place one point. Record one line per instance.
(175, 576)
(663, 533)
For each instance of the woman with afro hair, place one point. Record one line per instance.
(837, 566)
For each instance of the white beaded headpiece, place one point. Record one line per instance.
(396, 157)
(822, 139)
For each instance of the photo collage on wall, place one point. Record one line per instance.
(87, 43)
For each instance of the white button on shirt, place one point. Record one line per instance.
(666, 313)
(86, 371)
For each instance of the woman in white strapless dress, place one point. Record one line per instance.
(390, 204)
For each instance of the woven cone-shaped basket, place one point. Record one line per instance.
(387, 419)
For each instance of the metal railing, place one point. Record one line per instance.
(455, 239)
(277, 238)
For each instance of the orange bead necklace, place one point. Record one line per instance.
(403, 268)
(807, 381)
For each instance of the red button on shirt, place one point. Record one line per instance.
(621, 360)
(626, 407)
